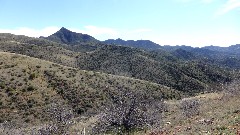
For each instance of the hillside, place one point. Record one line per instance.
(231, 49)
(226, 57)
(163, 67)
(154, 67)
(29, 86)
(38, 48)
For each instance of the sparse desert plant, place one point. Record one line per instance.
(128, 112)
(190, 107)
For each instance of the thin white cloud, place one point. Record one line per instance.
(140, 30)
(228, 6)
(94, 30)
(183, 1)
(103, 33)
(222, 37)
(31, 32)
(207, 1)
(201, 1)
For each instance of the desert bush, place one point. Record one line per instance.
(32, 76)
(128, 112)
(8, 128)
(232, 89)
(10, 91)
(2, 85)
(61, 118)
(46, 130)
(30, 88)
(190, 107)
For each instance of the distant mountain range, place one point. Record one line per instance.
(66, 36)
(143, 44)
(183, 68)
(235, 49)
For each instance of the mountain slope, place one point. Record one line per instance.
(234, 49)
(38, 48)
(183, 54)
(159, 67)
(155, 68)
(227, 57)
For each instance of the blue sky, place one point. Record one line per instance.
(166, 22)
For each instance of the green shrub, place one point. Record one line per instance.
(30, 88)
(9, 89)
(190, 107)
(2, 85)
(27, 120)
(32, 76)
(221, 128)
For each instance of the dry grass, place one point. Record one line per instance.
(217, 116)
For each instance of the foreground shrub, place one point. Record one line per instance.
(190, 107)
(128, 112)
(61, 118)
(232, 89)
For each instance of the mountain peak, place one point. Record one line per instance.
(64, 29)
(68, 37)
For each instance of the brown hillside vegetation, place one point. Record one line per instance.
(38, 48)
(217, 113)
